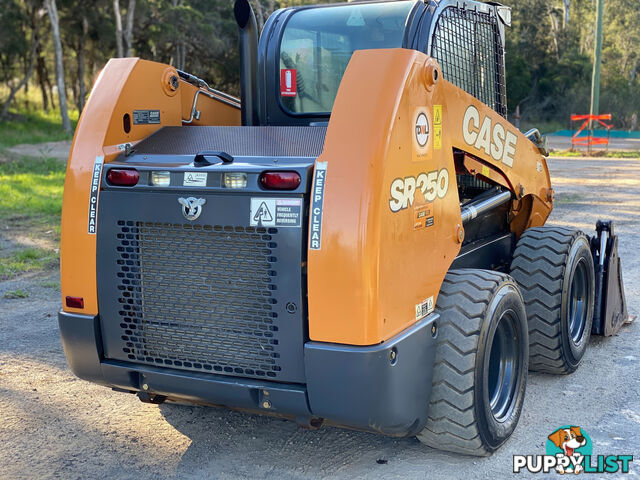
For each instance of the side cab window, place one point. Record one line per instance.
(467, 45)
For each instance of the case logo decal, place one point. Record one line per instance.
(495, 140)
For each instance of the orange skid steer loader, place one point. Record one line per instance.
(359, 240)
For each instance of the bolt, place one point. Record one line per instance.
(265, 393)
(393, 355)
(145, 386)
(291, 307)
(266, 404)
(433, 330)
(173, 82)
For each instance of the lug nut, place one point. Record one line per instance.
(145, 386)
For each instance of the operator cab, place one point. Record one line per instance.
(304, 51)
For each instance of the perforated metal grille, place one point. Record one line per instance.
(467, 46)
(198, 297)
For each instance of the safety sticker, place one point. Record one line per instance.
(486, 171)
(422, 216)
(317, 200)
(276, 212)
(146, 117)
(437, 127)
(424, 308)
(288, 82)
(93, 195)
(422, 129)
(195, 179)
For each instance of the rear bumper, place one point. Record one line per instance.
(383, 388)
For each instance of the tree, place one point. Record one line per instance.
(52, 10)
(118, 18)
(128, 33)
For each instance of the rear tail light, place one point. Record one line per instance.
(280, 180)
(123, 177)
(75, 302)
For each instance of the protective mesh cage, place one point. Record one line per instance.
(467, 46)
(208, 310)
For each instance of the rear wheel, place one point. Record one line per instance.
(554, 268)
(481, 362)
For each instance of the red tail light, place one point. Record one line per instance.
(122, 177)
(75, 302)
(280, 180)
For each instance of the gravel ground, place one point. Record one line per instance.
(53, 425)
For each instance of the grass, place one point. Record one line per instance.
(601, 154)
(27, 260)
(17, 293)
(30, 206)
(29, 123)
(31, 189)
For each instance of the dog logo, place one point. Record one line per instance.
(191, 207)
(571, 441)
(569, 450)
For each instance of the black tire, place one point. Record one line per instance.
(554, 268)
(482, 316)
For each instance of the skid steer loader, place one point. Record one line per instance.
(358, 240)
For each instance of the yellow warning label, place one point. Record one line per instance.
(437, 114)
(437, 137)
(485, 171)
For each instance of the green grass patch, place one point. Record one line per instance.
(27, 260)
(53, 285)
(579, 153)
(30, 205)
(17, 293)
(33, 127)
(31, 190)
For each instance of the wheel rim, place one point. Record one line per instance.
(504, 366)
(578, 302)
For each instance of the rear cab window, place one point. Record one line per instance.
(318, 43)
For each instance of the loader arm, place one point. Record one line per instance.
(391, 216)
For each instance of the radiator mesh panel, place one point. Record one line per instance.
(198, 297)
(468, 48)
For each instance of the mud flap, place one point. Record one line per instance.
(610, 309)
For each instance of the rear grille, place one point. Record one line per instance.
(198, 297)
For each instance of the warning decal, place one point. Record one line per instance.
(437, 127)
(422, 216)
(317, 199)
(424, 308)
(195, 179)
(93, 195)
(276, 212)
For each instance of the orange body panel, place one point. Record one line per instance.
(123, 86)
(380, 267)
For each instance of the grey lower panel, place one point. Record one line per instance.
(364, 388)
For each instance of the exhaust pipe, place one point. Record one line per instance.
(248, 30)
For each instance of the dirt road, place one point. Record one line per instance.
(53, 425)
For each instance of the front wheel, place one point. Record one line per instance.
(481, 363)
(554, 269)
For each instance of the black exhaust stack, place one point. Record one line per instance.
(248, 30)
